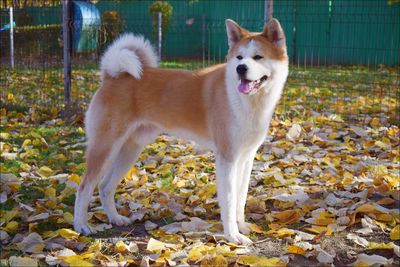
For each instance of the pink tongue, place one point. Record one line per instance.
(244, 86)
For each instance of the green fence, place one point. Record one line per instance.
(318, 31)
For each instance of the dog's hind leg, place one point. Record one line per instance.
(125, 158)
(99, 157)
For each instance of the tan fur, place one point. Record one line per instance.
(126, 113)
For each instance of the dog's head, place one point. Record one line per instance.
(256, 58)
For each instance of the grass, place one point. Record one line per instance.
(346, 90)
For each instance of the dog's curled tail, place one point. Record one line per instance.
(129, 53)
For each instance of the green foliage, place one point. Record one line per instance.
(166, 13)
(112, 26)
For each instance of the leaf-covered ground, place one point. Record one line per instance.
(324, 189)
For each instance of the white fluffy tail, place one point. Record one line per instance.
(129, 53)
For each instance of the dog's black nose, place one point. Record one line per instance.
(241, 69)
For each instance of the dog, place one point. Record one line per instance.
(226, 108)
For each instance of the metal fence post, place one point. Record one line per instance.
(12, 37)
(67, 55)
(159, 34)
(268, 11)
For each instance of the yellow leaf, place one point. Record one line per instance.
(395, 233)
(33, 227)
(27, 142)
(121, 247)
(75, 178)
(68, 217)
(68, 233)
(150, 165)
(259, 261)
(196, 253)
(384, 217)
(77, 260)
(11, 227)
(94, 246)
(373, 245)
(348, 178)
(219, 261)
(366, 208)
(375, 123)
(50, 193)
(295, 250)
(45, 172)
(53, 112)
(10, 97)
(81, 130)
(156, 246)
(317, 229)
(282, 232)
(8, 216)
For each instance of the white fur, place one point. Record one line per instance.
(248, 116)
(129, 53)
(248, 131)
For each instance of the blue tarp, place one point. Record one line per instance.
(86, 22)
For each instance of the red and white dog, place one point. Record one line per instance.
(226, 108)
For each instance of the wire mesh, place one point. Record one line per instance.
(344, 54)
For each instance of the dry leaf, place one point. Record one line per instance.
(33, 243)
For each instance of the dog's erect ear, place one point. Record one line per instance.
(274, 33)
(234, 31)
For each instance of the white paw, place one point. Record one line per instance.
(238, 239)
(84, 228)
(243, 228)
(120, 220)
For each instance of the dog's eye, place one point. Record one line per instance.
(257, 57)
(239, 57)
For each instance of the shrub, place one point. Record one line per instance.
(112, 26)
(166, 12)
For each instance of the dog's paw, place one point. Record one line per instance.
(238, 239)
(120, 220)
(84, 229)
(243, 228)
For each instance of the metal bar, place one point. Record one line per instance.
(159, 34)
(12, 37)
(268, 11)
(67, 55)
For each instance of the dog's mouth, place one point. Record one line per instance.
(251, 87)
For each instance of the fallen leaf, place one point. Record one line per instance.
(259, 261)
(196, 224)
(157, 246)
(22, 262)
(295, 250)
(395, 233)
(287, 216)
(369, 260)
(121, 247)
(358, 240)
(33, 243)
(68, 233)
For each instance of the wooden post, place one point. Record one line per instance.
(12, 37)
(268, 11)
(67, 23)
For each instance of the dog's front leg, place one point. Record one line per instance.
(227, 198)
(242, 182)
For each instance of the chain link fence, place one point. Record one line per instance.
(344, 54)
